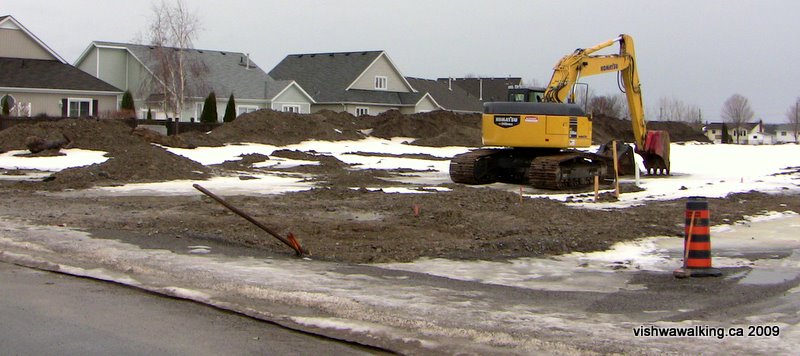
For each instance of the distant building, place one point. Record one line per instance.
(35, 80)
(131, 67)
(360, 83)
(485, 89)
(751, 133)
(782, 133)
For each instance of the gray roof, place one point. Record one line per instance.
(223, 72)
(774, 128)
(718, 125)
(48, 74)
(494, 89)
(452, 98)
(326, 77)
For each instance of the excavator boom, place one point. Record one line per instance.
(653, 146)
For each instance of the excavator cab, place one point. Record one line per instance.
(526, 95)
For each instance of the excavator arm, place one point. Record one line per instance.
(653, 146)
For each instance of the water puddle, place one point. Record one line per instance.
(762, 277)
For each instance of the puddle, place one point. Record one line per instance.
(762, 277)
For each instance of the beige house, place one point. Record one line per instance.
(35, 80)
(132, 67)
(366, 83)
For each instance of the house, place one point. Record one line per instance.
(783, 133)
(35, 80)
(133, 67)
(450, 98)
(360, 83)
(750, 133)
(485, 89)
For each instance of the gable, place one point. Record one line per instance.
(18, 42)
(382, 67)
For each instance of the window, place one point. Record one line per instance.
(713, 132)
(755, 137)
(198, 111)
(783, 133)
(244, 109)
(291, 108)
(79, 107)
(361, 111)
(381, 82)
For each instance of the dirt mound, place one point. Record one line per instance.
(157, 138)
(606, 128)
(279, 128)
(436, 128)
(131, 158)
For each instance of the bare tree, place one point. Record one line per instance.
(171, 33)
(693, 115)
(671, 109)
(736, 111)
(607, 105)
(793, 118)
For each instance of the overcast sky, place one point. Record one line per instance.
(700, 52)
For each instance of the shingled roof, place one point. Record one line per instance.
(224, 72)
(452, 98)
(327, 77)
(48, 74)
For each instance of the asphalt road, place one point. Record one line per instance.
(44, 313)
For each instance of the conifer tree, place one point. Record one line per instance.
(209, 114)
(230, 110)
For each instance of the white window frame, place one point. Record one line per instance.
(71, 101)
(362, 110)
(381, 82)
(293, 108)
(246, 109)
(198, 110)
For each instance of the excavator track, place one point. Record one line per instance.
(565, 171)
(543, 170)
(472, 167)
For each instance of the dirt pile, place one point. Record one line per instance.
(279, 128)
(131, 158)
(436, 128)
(606, 128)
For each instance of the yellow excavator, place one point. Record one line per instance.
(535, 135)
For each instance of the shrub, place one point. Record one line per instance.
(209, 114)
(230, 110)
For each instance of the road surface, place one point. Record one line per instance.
(44, 313)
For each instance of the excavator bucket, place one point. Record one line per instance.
(625, 161)
(656, 152)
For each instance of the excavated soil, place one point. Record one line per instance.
(333, 221)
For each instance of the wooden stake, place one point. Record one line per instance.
(616, 171)
(596, 188)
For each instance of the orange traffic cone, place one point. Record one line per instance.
(697, 241)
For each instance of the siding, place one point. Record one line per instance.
(382, 67)
(17, 44)
(292, 96)
(113, 68)
(50, 104)
(351, 108)
(426, 105)
(89, 65)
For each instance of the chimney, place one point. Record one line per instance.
(480, 88)
(450, 83)
(247, 66)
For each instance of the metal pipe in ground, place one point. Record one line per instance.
(290, 241)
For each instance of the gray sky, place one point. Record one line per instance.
(700, 52)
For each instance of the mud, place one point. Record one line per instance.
(339, 220)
